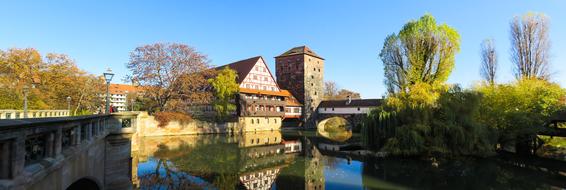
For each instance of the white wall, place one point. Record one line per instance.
(347, 110)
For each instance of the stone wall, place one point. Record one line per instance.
(148, 126)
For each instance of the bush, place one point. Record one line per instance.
(165, 117)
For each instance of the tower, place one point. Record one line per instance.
(301, 71)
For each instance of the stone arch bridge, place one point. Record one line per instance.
(84, 152)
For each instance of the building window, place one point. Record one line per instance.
(312, 76)
(318, 70)
(314, 69)
(358, 108)
(312, 84)
(257, 123)
(332, 109)
(324, 109)
(252, 123)
(315, 93)
(8, 116)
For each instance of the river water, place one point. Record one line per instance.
(301, 160)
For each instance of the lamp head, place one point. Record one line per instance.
(108, 75)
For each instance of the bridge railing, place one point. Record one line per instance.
(33, 147)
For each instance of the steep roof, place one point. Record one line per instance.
(353, 103)
(300, 51)
(242, 67)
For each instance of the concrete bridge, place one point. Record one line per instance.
(353, 110)
(84, 152)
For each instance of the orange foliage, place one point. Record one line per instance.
(165, 117)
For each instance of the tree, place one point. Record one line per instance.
(488, 61)
(159, 67)
(56, 76)
(530, 46)
(517, 111)
(330, 90)
(225, 89)
(422, 52)
(344, 94)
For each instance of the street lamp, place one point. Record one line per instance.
(26, 91)
(108, 77)
(132, 102)
(69, 105)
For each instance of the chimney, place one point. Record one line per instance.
(349, 100)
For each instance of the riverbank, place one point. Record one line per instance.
(147, 125)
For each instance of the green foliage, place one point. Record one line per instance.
(225, 88)
(449, 128)
(519, 109)
(422, 53)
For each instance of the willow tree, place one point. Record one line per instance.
(422, 54)
(530, 46)
(488, 61)
(225, 88)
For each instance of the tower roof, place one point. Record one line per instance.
(300, 51)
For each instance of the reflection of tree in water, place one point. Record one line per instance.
(216, 163)
(456, 174)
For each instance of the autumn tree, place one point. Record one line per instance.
(488, 61)
(530, 46)
(330, 90)
(55, 76)
(225, 89)
(421, 55)
(159, 68)
(344, 94)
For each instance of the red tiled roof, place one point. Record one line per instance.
(291, 100)
(242, 67)
(265, 92)
(123, 89)
(299, 51)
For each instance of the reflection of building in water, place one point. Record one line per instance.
(261, 159)
(305, 172)
(261, 179)
(292, 146)
(260, 138)
(253, 159)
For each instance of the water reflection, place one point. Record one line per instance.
(272, 160)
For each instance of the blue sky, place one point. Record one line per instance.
(349, 34)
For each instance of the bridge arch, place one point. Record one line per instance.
(334, 121)
(85, 183)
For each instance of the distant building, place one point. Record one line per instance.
(301, 71)
(119, 96)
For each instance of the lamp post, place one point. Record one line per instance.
(69, 105)
(132, 102)
(108, 77)
(26, 91)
